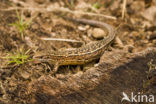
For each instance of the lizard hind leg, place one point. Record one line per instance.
(55, 68)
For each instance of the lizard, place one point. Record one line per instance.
(84, 54)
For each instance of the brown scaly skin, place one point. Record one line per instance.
(84, 54)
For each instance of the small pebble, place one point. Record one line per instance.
(25, 74)
(83, 28)
(98, 33)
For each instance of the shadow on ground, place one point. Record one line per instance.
(101, 85)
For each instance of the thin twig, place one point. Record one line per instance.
(83, 13)
(62, 9)
(64, 40)
(124, 8)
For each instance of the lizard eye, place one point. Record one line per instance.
(69, 52)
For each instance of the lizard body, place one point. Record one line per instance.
(84, 54)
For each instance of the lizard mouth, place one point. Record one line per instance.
(38, 57)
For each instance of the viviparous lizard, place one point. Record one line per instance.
(84, 54)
